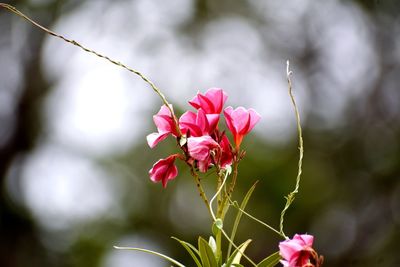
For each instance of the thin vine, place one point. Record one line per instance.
(290, 198)
(115, 62)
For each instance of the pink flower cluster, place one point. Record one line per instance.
(298, 252)
(205, 144)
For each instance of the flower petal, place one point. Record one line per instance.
(199, 147)
(254, 118)
(288, 248)
(211, 102)
(164, 170)
(154, 138)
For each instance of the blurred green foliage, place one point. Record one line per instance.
(349, 196)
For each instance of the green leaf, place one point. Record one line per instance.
(177, 263)
(270, 261)
(240, 252)
(237, 254)
(239, 216)
(206, 254)
(194, 253)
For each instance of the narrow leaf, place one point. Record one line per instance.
(154, 253)
(239, 216)
(270, 261)
(237, 254)
(241, 250)
(206, 254)
(191, 249)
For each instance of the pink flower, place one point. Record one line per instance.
(164, 170)
(197, 124)
(298, 252)
(165, 126)
(240, 122)
(211, 102)
(199, 148)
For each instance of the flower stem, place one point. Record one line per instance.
(224, 202)
(224, 176)
(201, 190)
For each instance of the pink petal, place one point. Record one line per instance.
(154, 138)
(164, 110)
(193, 129)
(199, 147)
(212, 121)
(171, 173)
(229, 121)
(163, 123)
(202, 121)
(292, 250)
(206, 104)
(254, 118)
(188, 116)
(307, 240)
(164, 170)
(288, 248)
(204, 164)
(158, 173)
(240, 122)
(211, 102)
(226, 156)
(196, 124)
(195, 102)
(240, 117)
(218, 98)
(188, 122)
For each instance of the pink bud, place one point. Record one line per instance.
(164, 170)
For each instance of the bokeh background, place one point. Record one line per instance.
(73, 157)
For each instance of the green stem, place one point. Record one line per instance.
(220, 185)
(222, 210)
(201, 190)
(218, 236)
